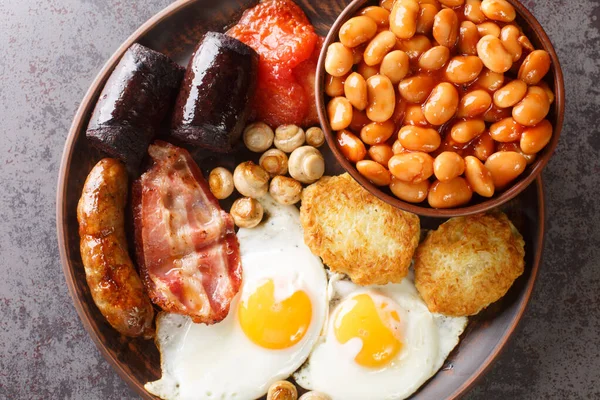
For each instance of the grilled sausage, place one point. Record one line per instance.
(114, 283)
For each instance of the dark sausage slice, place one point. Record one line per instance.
(214, 101)
(134, 101)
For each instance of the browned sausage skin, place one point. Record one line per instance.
(111, 276)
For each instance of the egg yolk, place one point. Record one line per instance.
(363, 320)
(274, 324)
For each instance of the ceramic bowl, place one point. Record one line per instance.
(554, 78)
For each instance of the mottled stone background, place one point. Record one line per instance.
(50, 50)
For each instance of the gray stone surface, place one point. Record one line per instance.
(50, 50)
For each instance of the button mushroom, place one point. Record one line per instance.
(220, 182)
(282, 390)
(315, 136)
(312, 395)
(285, 190)
(275, 162)
(251, 180)
(306, 164)
(258, 137)
(246, 212)
(289, 137)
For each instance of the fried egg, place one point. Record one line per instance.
(274, 321)
(380, 342)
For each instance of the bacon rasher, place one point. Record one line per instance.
(186, 246)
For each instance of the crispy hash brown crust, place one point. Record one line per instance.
(356, 233)
(469, 263)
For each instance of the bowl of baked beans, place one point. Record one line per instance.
(440, 107)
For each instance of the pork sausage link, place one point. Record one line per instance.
(112, 278)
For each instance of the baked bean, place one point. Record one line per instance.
(381, 98)
(434, 58)
(414, 116)
(453, 193)
(359, 119)
(526, 43)
(474, 103)
(381, 153)
(483, 146)
(399, 110)
(467, 130)
(416, 89)
(452, 3)
(414, 46)
(548, 91)
(339, 60)
(435, 3)
(357, 30)
(357, 53)
(510, 40)
(403, 18)
(473, 11)
(510, 94)
(495, 114)
(533, 108)
(409, 192)
(498, 10)
(367, 71)
(445, 28)
(488, 28)
(516, 147)
(351, 147)
(448, 165)
(506, 130)
(378, 47)
(377, 132)
(411, 167)
(463, 69)
(339, 111)
(374, 172)
(468, 38)
(535, 67)
(416, 138)
(505, 166)
(397, 148)
(449, 144)
(426, 17)
(387, 4)
(442, 104)
(380, 15)
(536, 137)
(479, 177)
(355, 89)
(334, 85)
(395, 65)
(493, 54)
(490, 80)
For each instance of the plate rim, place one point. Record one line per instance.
(85, 317)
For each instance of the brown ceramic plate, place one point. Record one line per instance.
(175, 31)
(554, 78)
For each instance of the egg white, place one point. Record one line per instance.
(427, 340)
(218, 361)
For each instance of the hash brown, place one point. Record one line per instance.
(469, 263)
(357, 234)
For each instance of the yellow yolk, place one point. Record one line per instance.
(379, 344)
(275, 325)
